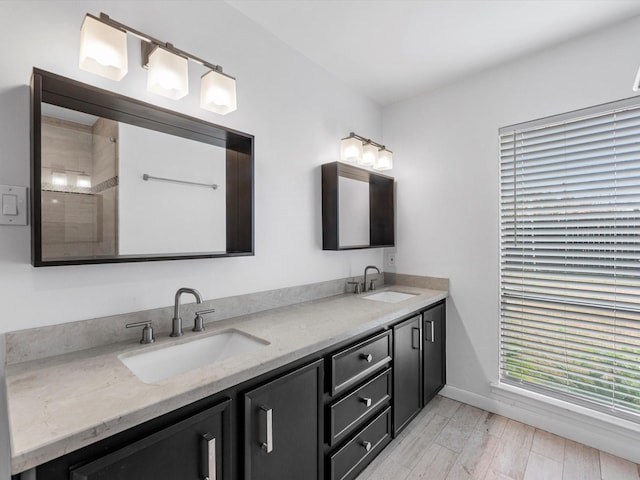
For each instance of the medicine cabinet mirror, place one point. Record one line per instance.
(357, 208)
(114, 179)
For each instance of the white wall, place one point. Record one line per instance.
(446, 154)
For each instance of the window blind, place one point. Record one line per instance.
(570, 257)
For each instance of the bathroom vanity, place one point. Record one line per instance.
(335, 381)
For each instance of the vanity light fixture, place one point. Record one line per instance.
(103, 51)
(365, 152)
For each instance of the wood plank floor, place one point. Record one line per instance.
(450, 440)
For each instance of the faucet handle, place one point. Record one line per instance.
(357, 287)
(198, 322)
(372, 284)
(147, 331)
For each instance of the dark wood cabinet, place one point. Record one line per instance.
(434, 342)
(196, 448)
(407, 371)
(381, 206)
(237, 150)
(283, 420)
(359, 394)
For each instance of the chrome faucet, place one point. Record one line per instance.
(372, 285)
(177, 319)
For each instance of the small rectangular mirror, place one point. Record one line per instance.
(353, 212)
(117, 180)
(357, 208)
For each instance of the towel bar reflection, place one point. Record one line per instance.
(148, 177)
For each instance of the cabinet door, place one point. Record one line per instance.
(434, 333)
(196, 448)
(407, 372)
(283, 427)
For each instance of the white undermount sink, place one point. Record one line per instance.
(156, 364)
(390, 296)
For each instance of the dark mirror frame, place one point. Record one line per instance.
(381, 206)
(57, 90)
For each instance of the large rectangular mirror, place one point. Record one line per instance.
(357, 208)
(118, 180)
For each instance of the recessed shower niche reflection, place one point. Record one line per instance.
(96, 203)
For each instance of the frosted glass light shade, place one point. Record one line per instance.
(385, 160)
(350, 150)
(168, 74)
(103, 49)
(218, 92)
(369, 155)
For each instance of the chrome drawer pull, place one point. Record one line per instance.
(366, 356)
(432, 337)
(268, 445)
(209, 454)
(366, 401)
(416, 344)
(367, 446)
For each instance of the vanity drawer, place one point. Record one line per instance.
(354, 364)
(358, 406)
(350, 460)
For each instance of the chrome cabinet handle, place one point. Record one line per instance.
(268, 445)
(366, 356)
(209, 456)
(367, 446)
(431, 338)
(366, 401)
(416, 344)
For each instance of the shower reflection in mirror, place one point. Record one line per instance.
(95, 202)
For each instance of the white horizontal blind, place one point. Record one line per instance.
(570, 257)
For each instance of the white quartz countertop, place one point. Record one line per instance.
(62, 403)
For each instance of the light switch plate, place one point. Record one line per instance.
(11, 194)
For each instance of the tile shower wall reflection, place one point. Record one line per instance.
(95, 202)
(79, 183)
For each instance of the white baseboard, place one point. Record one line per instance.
(609, 434)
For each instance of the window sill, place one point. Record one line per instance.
(542, 404)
